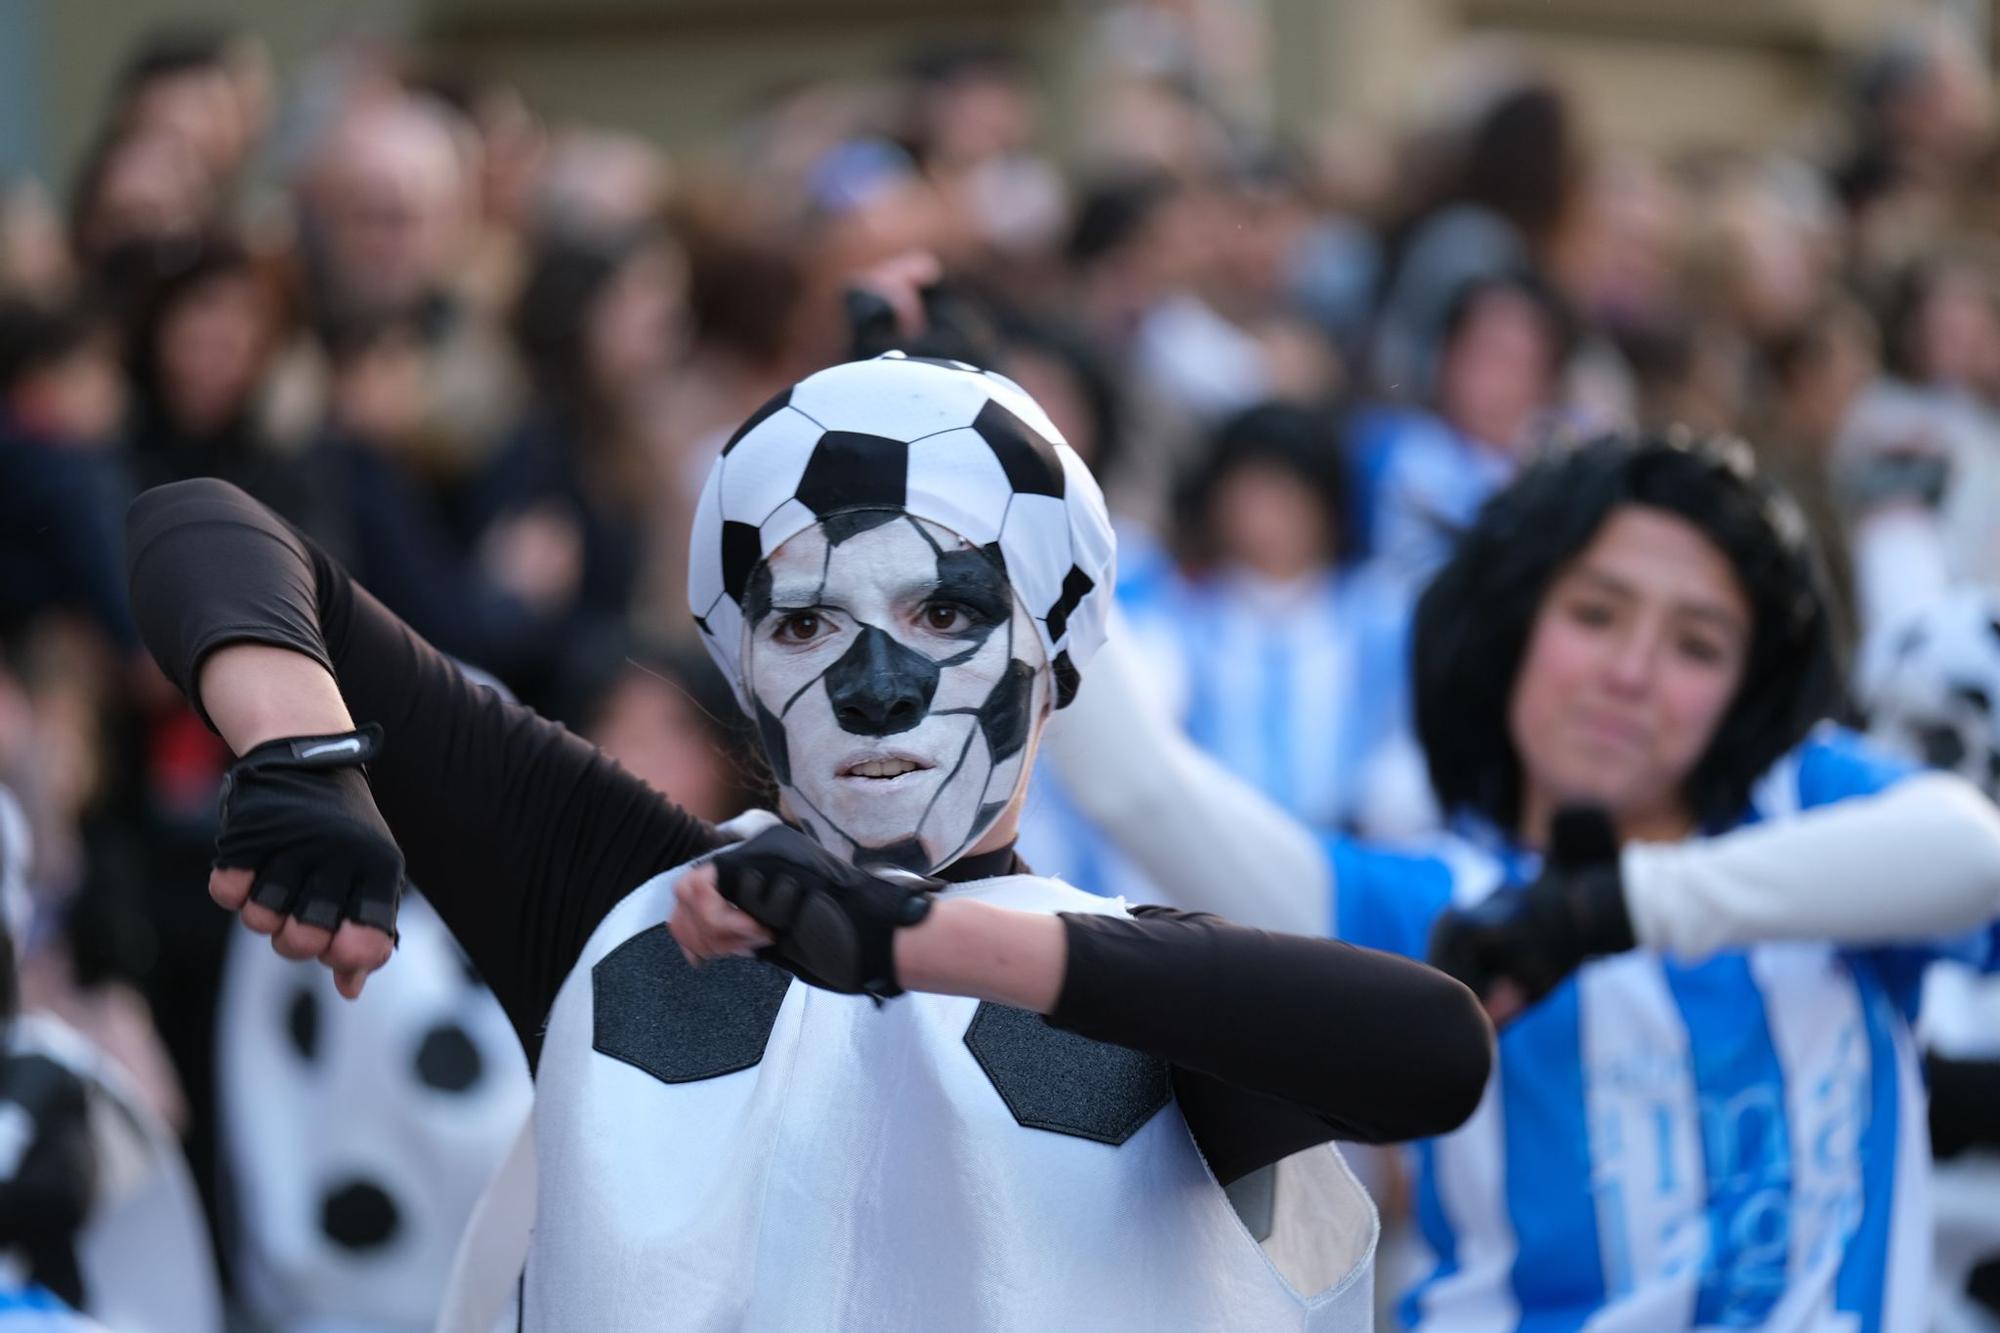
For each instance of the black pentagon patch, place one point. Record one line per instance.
(907, 855)
(756, 600)
(678, 1023)
(853, 471)
(1974, 695)
(1993, 628)
(1058, 1081)
(447, 1060)
(1076, 585)
(853, 522)
(1068, 679)
(302, 1024)
(1003, 717)
(358, 1215)
(772, 733)
(741, 553)
(758, 417)
(1028, 459)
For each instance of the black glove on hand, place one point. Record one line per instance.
(1537, 937)
(298, 812)
(833, 925)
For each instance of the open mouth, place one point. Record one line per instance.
(882, 770)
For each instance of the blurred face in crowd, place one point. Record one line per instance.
(204, 108)
(392, 202)
(212, 350)
(980, 114)
(1499, 371)
(1956, 333)
(152, 185)
(634, 328)
(1265, 521)
(652, 728)
(1631, 664)
(80, 398)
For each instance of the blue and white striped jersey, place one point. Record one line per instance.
(1735, 1143)
(1294, 689)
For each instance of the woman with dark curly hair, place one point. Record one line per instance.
(1698, 911)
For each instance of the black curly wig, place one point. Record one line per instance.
(1473, 621)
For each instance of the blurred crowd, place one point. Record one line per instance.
(486, 358)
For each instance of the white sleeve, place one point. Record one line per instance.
(1918, 861)
(1208, 840)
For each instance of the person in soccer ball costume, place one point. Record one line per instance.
(903, 570)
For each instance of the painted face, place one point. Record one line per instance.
(897, 685)
(1634, 657)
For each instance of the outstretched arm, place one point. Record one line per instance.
(1277, 1042)
(1916, 862)
(1842, 872)
(521, 834)
(1207, 840)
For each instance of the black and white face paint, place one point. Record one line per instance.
(897, 685)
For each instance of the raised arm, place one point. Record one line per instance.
(521, 834)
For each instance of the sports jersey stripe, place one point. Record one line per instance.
(1558, 1270)
(1864, 1270)
(1645, 1152)
(1465, 1168)
(1906, 1293)
(1434, 1227)
(1818, 1034)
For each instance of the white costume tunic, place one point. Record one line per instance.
(724, 1149)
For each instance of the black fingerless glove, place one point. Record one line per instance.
(832, 925)
(1576, 911)
(298, 812)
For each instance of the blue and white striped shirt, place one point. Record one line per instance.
(1735, 1143)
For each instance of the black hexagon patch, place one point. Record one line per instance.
(1058, 1081)
(681, 1024)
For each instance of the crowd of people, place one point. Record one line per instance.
(1360, 408)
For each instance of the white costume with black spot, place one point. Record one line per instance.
(937, 1163)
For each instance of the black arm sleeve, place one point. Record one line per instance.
(1278, 1042)
(521, 834)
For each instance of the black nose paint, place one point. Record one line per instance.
(879, 687)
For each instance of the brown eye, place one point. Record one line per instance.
(945, 617)
(798, 627)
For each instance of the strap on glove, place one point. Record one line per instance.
(298, 811)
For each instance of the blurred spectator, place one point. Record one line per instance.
(202, 342)
(599, 324)
(1502, 348)
(1277, 657)
(1918, 456)
(61, 397)
(208, 86)
(1491, 196)
(388, 209)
